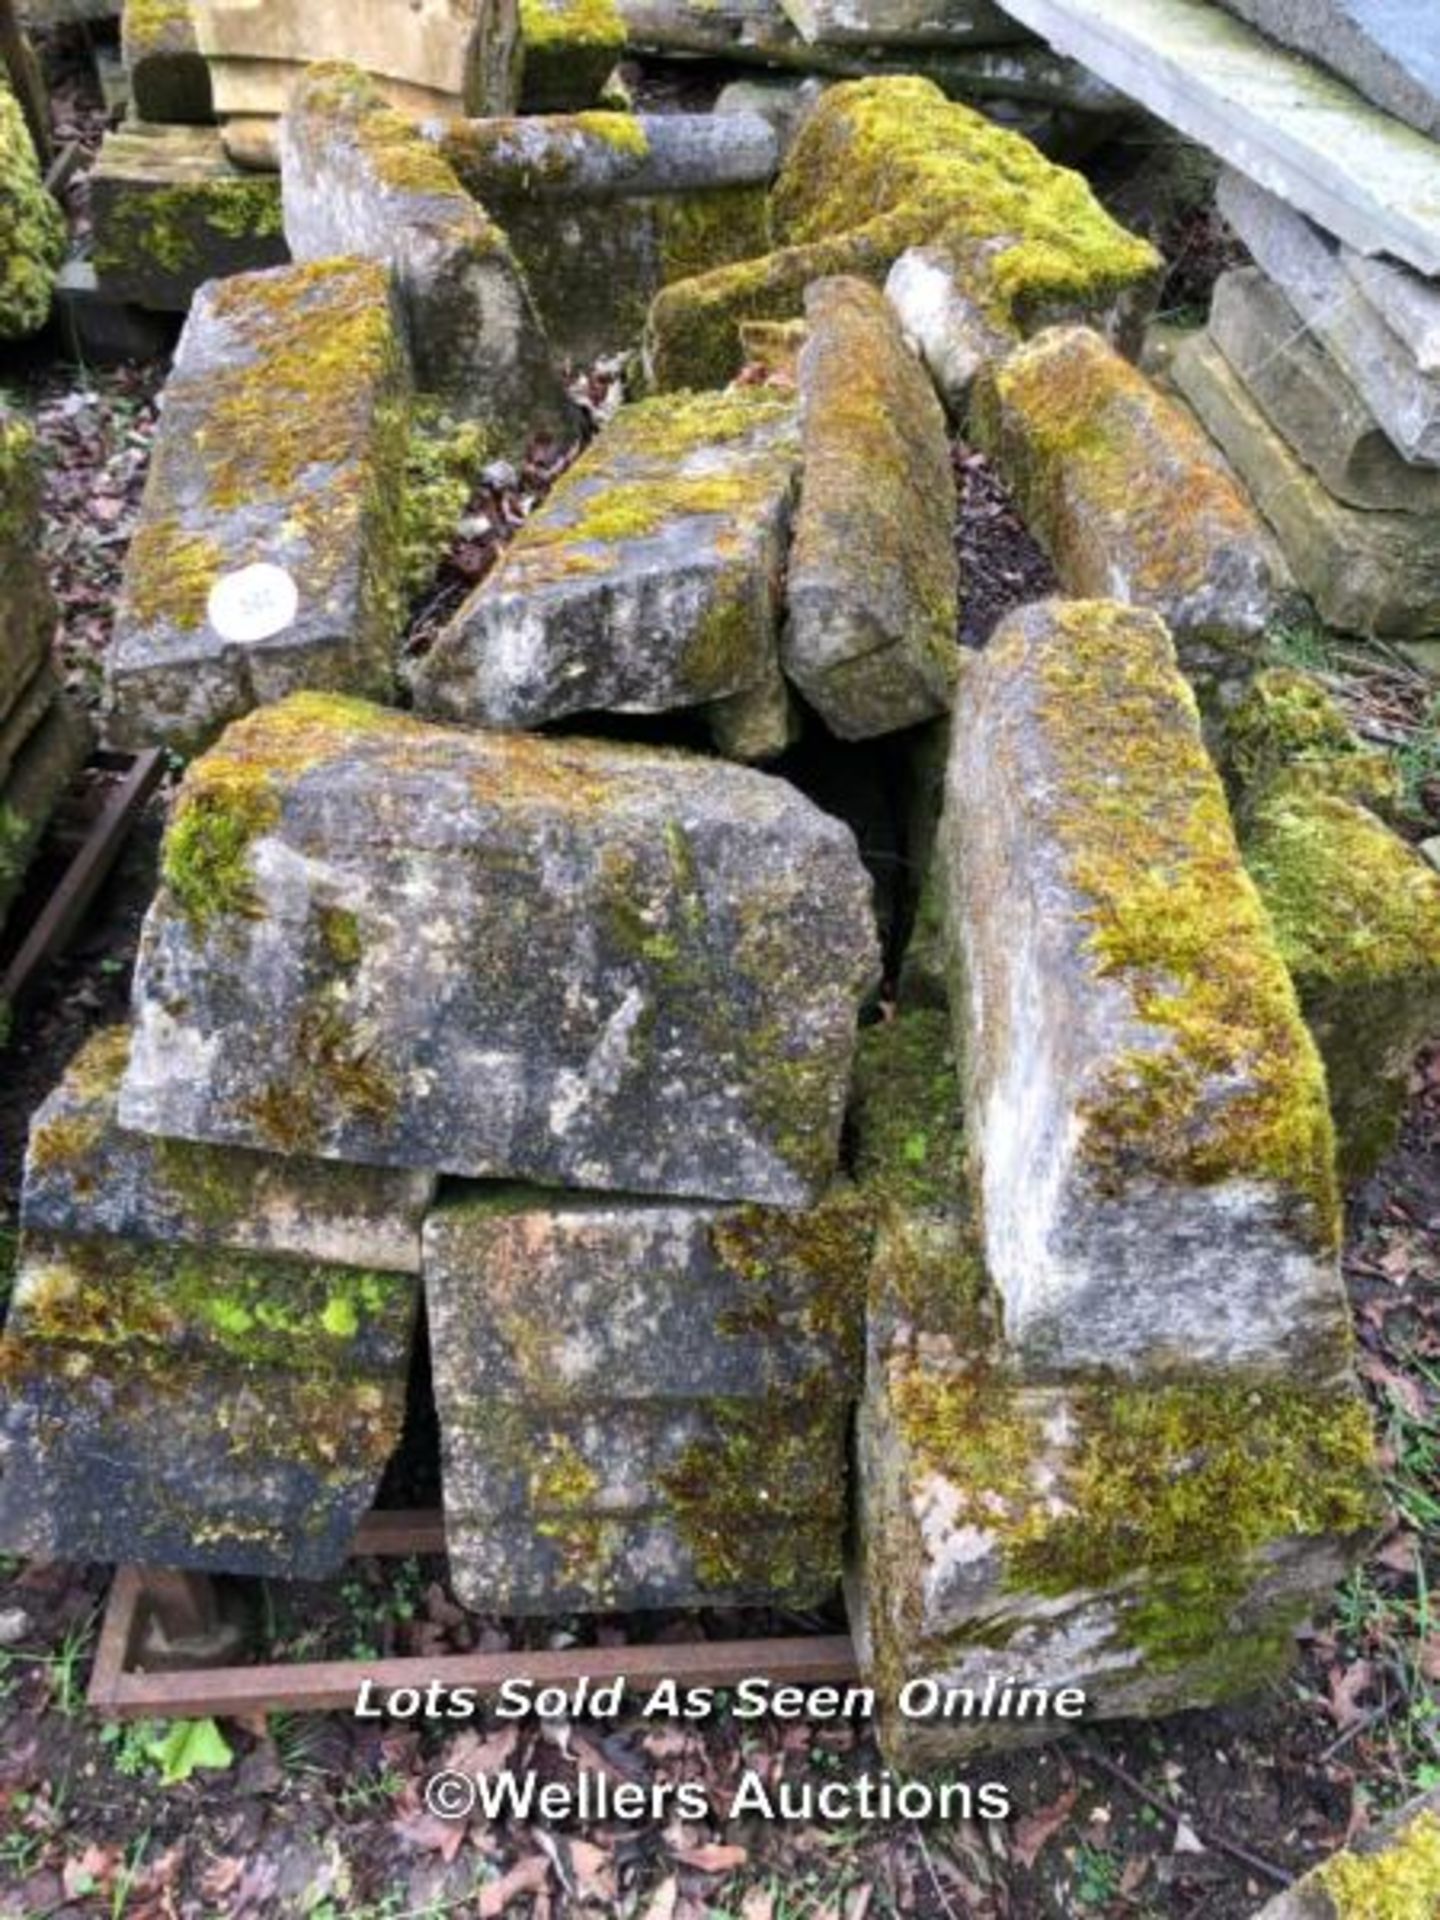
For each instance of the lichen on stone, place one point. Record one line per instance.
(1399, 1881)
(32, 228)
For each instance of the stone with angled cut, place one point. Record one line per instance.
(1129, 498)
(568, 50)
(872, 586)
(268, 550)
(675, 954)
(360, 179)
(169, 80)
(650, 580)
(1154, 1156)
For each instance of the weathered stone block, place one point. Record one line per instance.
(1408, 303)
(1402, 391)
(170, 212)
(86, 1176)
(879, 167)
(282, 447)
(32, 225)
(27, 609)
(906, 23)
(44, 767)
(651, 579)
(1154, 1158)
(1128, 497)
(1367, 572)
(1311, 402)
(1356, 912)
(569, 49)
(1384, 48)
(1296, 130)
(1395, 1866)
(675, 953)
(169, 80)
(603, 209)
(359, 178)
(872, 589)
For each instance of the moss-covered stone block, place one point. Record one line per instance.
(1152, 1147)
(675, 953)
(881, 166)
(27, 609)
(361, 179)
(169, 80)
(282, 448)
(1289, 726)
(650, 580)
(569, 49)
(170, 212)
(1128, 497)
(872, 587)
(1391, 1872)
(1356, 913)
(32, 229)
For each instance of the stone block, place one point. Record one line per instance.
(27, 608)
(782, 101)
(1356, 912)
(360, 179)
(1311, 402)
(33, 226)
(676, 952)
(267, 554)
(879, 167)
(651, 579)
(169, 80)
(569, 49)
(1307, 264)
(104, 333)
(1128, 497)
(872, 587)
(1153, 1154)
(43, 770)
(29, 709)
(904, 23)
(1408, 303)
(1395, 1865)
(86, 1176)
(171, 211)
(1294, 129)
(1367, 572)
(1385, 49)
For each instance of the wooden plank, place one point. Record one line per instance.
(395, 1535)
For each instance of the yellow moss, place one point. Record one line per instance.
(402, 158)
(623, 131)
(1400, 1882)
(565, 26)
(169, 574)
(32, 228)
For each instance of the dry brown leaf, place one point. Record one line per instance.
(758, 1904)
(1347, 1684)
(88, 1872)
(526, 1876)
(1032, 1833)
(713, 1858)
(594, 1870)
(472, 1753)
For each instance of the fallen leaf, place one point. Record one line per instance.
(526, 1876)
(1037, 1828)
(713, 1858)
(1346, 1686)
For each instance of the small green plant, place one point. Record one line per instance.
(174, 1749)
(1097, 1875)
(1298, 637)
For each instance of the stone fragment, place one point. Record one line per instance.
(603, 209)
(27, 610)
(32, 228)
(1295, 130)
(937, 294)
(85, 1175)
(1391, 1871)
(675, 953)
(1403, 394)
(360, 179)
(169, 80)
(268, 550)
(1356, 912)
(1128, 498)
(43, 769)
(1386, 49)
(1310, 400)
(171, 212)
(1367, 572)
(872, 587)
(1408, 304)
(569, 49)
(651, 579)
(879, 167)
(782, 102)
(1154, 1158)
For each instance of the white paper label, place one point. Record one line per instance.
(254, 604)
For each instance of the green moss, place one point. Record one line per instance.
(442, 465)
(340, 936)
(698, 231)
(565, 25)
(399, 154)
(623, 131)
(818, 1257)
(1289, 725)
(156, 26)
(17, 836)
(169, 574)
(909, 1116)
(167, 227)
(1237, 1091)
(32, 228)
(1399, 1882)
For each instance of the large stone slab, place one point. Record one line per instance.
(1356, 911)
(86, 1176)
(1408, 304)
(1309, 267)
(32, 225)
(651, 579)
(879, 167)
(603, 209)
(569, 49)
(872, 587)
(1128, 498)
(1307, 397)
(1367, 572)
(360, 179)
(675, 953)
(1386, 49)
(169, 80)
(282, 447)
(1293, 129)
(170, 212)
(1153, 1153)
(27, 609)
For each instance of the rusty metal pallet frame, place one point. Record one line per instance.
(86, 873)
(119, 1691)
